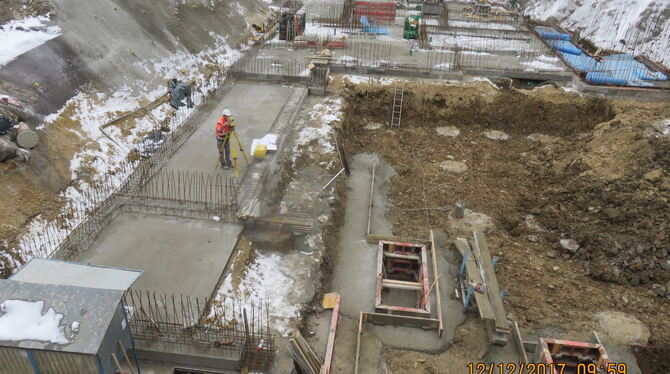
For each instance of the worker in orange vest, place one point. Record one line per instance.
(223, 140)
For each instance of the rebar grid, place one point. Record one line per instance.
(282, 70)
(210, 192)
(183, 322)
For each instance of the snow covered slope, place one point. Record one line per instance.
(641, 27)
(20, 36)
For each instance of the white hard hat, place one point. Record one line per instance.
(226, 112)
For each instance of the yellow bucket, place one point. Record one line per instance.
(260, 151)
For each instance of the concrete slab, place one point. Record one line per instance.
(177, 255)
(254, 108)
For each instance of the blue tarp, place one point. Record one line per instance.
(628, 67)
(582, 63)
(565, 46)
(616, 70)
(373, 29)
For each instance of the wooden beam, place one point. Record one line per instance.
(402, 257)
(491, 281)
(436, 276)
(330, 348)
(473, 275)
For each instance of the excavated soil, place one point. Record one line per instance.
(592, 170)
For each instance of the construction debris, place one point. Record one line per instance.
(303, 355)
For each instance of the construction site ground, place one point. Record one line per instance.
(532, 167)
(527, 193)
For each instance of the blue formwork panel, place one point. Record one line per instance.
(565, 46)
(549, 33)
(582, 63)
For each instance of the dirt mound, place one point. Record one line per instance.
(611, 196)
(514, 111)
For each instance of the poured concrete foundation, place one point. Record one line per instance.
(177, 255)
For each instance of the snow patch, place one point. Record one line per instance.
(20, 36)
(266, 280)
(322, 115)
(641, 24)
(23, 320)
(360, 79)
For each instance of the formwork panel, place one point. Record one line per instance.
(571, 357)
(403, 269)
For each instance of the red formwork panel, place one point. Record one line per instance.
(403, 266)
(374, 11)
(571, 357)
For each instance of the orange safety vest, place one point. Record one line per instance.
(222, 128)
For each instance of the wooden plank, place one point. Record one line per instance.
(518, 341)
(330, 348)
(436, 276)
(359, 336)
(379, 275)
(402, 257)
(473, 275)
(303, 354)
(374, 238)
(492, 288)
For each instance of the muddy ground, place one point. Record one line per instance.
(595, 171)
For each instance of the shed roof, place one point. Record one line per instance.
(55, 272)
(92, 309)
